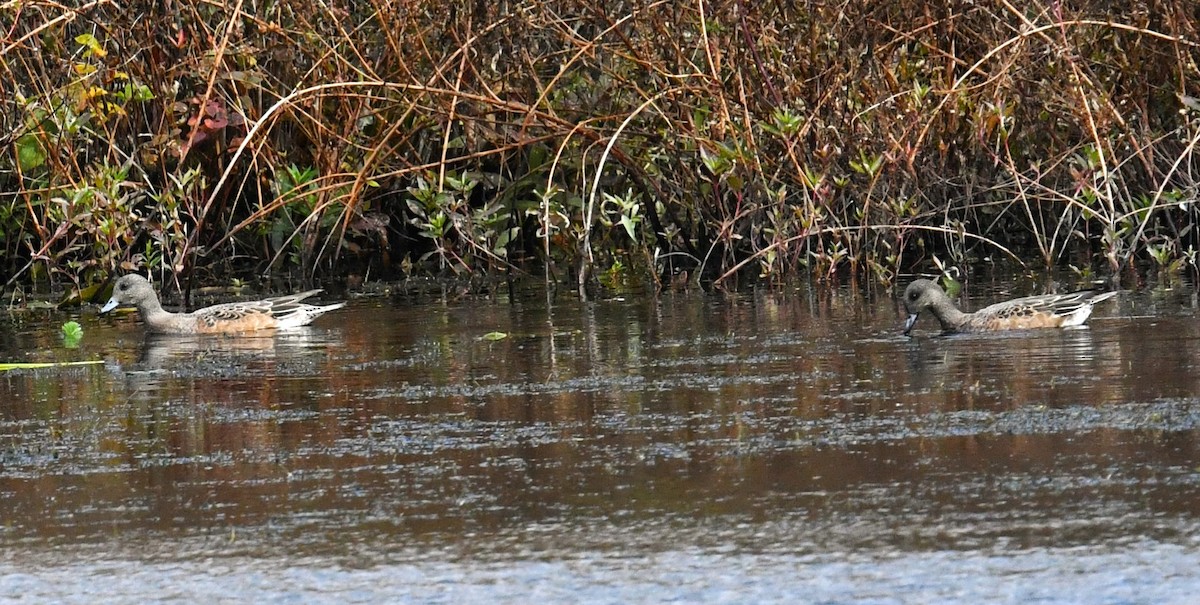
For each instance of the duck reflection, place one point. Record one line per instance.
(995, 371)
(207, 355)
(166, 351)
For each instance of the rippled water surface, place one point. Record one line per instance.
(777, 446)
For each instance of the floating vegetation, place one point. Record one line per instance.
(72, 333)
(4, 367)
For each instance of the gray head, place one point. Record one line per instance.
(922, 295)
(131, 290)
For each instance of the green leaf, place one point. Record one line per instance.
(630, 225)
(141, 92)
(92, 44)
(495, 336)
(30, 153)
(72, 329)
(951, 286)
(72, 333)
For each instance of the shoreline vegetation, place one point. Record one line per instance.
(716, 142)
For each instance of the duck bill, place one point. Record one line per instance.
(909, 323)
(110, 305)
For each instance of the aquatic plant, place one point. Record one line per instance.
(72, 333)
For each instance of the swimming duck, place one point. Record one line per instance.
(1047, 311)
(281, 313)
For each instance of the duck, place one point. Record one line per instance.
(281, 313)
(1045, 311)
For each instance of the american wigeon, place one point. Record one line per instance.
(1047, 311)
(281, 313)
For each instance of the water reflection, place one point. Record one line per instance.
(784, 422)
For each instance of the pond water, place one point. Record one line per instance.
(782, 446)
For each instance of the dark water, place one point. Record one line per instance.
(781, 446)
